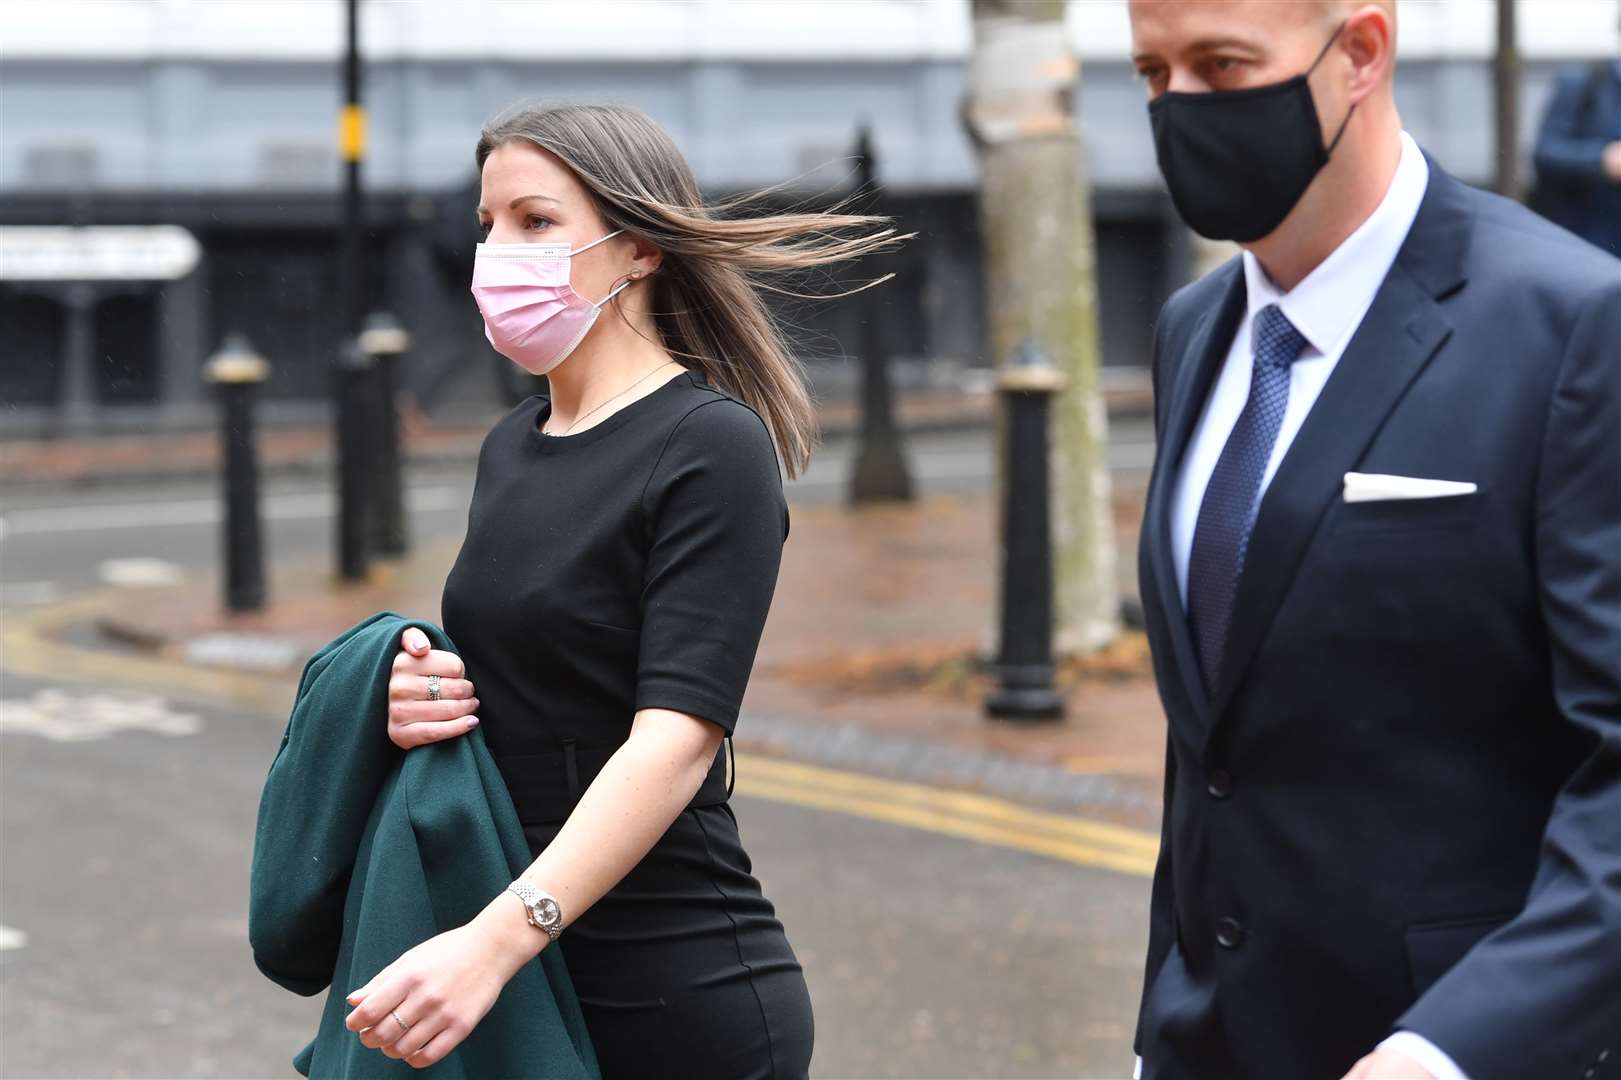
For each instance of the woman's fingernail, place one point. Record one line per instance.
(472, 721)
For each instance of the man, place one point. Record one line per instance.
(1381, 568)
(1578, 154)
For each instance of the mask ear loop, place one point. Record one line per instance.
(1330, 151)
(602, 239)
(1343, 123)
(1329, 44)
(621, 287)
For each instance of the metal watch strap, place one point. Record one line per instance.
(531, 897)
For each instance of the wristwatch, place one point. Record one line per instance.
(541, 908)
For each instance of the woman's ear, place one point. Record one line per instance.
(646, 257)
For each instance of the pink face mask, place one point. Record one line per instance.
(532, 315)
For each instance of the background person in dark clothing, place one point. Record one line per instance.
(1578, 154)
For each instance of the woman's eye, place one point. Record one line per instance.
(484, 228)
(534, 221)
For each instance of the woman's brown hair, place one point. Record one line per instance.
(706, 294)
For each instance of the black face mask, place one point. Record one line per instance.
(1237, 161)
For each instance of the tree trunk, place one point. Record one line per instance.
(1041, 275)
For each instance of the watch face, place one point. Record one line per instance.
(547, 911)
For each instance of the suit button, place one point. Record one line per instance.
(1220, 784)
(1229, 934)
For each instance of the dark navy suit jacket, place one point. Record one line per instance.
(1402, 806)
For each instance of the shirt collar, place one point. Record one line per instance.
(1329, 302)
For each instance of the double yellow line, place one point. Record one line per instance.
(964, 815)
(28, 648)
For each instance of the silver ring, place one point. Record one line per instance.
(433, 688)
(403, 1025)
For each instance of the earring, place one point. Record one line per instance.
(635, 274)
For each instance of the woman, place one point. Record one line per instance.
(621, 552)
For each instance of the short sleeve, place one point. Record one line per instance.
(716, 520)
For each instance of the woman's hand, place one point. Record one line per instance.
(439, 990)
(414, 720)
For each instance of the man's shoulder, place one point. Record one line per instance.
(1516, 248)
(1199, 296)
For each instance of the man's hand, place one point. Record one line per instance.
(1612, 161)
(1389, 1065)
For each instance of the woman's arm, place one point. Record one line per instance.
(633, 801)
(446, 985)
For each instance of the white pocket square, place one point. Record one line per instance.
(1374, 487)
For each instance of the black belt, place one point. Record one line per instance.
(546, 787)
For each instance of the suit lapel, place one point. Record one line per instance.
(1402, 330)
(1205, 352)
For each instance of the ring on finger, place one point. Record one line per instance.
(433, 688)
(403, 1025)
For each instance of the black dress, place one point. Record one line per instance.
(631, 566)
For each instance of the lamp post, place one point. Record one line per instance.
(879, 473)
(385, 341)
(236, 371)
(355, 386)
(1024, 662)
(351, 376)
(1506, 101)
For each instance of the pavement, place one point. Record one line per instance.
(968, 896)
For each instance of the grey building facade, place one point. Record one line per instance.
(242, 153)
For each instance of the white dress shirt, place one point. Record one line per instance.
(1326, 308)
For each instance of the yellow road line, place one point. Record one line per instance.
(28, 649)
(964, 804)
(949, 825)
(951, 813)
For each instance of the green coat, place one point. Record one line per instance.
(363, 850)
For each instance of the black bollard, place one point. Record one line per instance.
(355, 389)
(1024, 664)
(237, 371)
(385, 341)
(879, 473)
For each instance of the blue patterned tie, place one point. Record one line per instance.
(1227, 514)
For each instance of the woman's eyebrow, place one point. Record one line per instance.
(513, 205)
